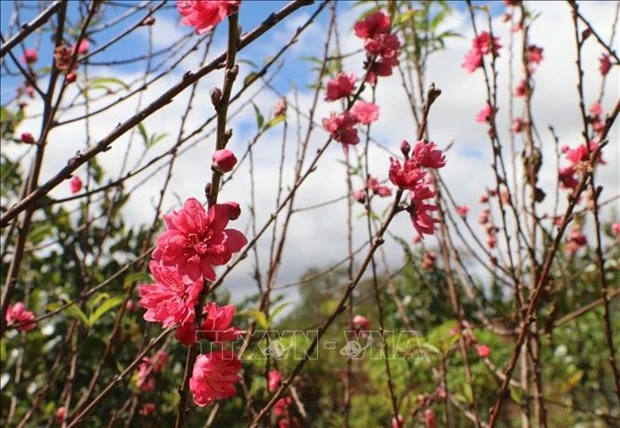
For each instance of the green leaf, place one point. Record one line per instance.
(143, 134)
(259, 316)
(260, 120)
(105, 307)
(104, 82)
(138, 277)
(156, 139)
(96, 299)
(467, 391)
(275, 121)
(278, 309)
(74, 311)
(431, 348)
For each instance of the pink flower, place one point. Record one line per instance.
(383, 191)
(441, 392)
(360, 323)
(429, 419)
(171, 299)
(216, 325)
(615, 230)
(341, 127)
(406, 176)
(274, 380)
(580, 154)
(75, 184)
(521, 89)
(205, 14)
(365, 112)
(421, 219)
(30, 56)
(359, 196)
(405, 148)
(61, 414)
(484, 44)
(428, 156)
(340, 87)
(604, 64)
(483, 351)
(473, 60)
(224, 160)
(566, 177)
(145, 381)
(147, 409)
(186, 333)
(373, 184)
(483, 218)
(214, 377)
(195, 241)
(384, 45)
(27, 138)
(82, 48)
(462, 210)
(17, 314)
(234, 210)
(596, 109)
(397, 423)
(381, 68)
(159, 361)
(280, 108)
(70, 77)
(517, 125)
(373, 25)
(279, 409)
(485, 114)
(534, 57)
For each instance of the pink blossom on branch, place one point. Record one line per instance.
(75, 184)
(366, 113)
(462, 210)
(483, 351)
(405, 176)
(340, 87)
(20, 316)
(274, 380)
(485, 44)
(428, 155)
(604, 64)
(374, 24)
(216, 324)
(473, 60)
(30, 56)
(195, 241)
(171, 299)
(214, 377)
(360, 323)
(205, 14)
(224, 160)
(485, 114)
(341, 127)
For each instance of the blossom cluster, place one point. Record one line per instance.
(485, 220)
(205, 15)
(194, 242)
(579, 163)
(482, 44)
(382, 49)
(412, 176)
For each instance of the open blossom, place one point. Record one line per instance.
(428, 155)
(580, 154)
(205, 14)
(360, 323)
(216, 324)
(373, 25)
(279, 409)
(280, 108)
(383, 45)
(147, 409)
(596, 109)
(75, 184)
(521, 89)
(171, 299)
(195, 241)
(224, 160)
(274, 380)
(485, 114)
(340, 87)
(62, 58)
(485, 44)
(30, 56)
(407, 175)
(214, 377)
(566, 177)
(61, 414)
(18, 314)
(341, 127)
(604, 64)
(421, 219)
(365, 112)
(473, 60)
(462, 210)
(534, 57)
(377, 189)
(483, 351)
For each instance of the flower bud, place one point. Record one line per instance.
(224, 160)
(405, 148)
(71, 77)
(216, 96)
(234, 210)
(27, 138)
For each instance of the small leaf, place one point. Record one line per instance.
(276, 311)
(143, 134)
(103, 82)
(105, 307)
(138, 277)
(275, 121)
(74, 312)
(260, 120)
(156, 139)
(259, 316)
